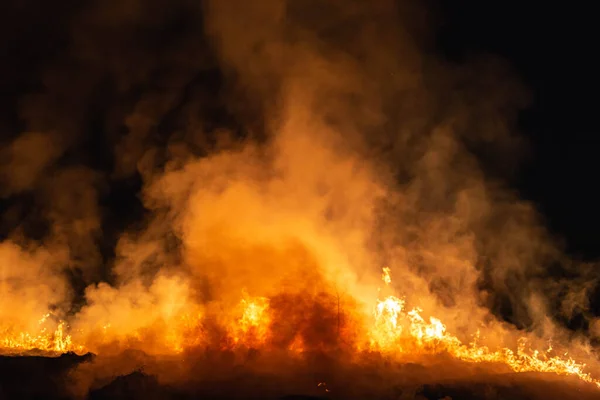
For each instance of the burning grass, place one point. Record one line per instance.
(293, 327)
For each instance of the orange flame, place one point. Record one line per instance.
(431, 337)
(42, 339)
(394, 330)
(252, 328)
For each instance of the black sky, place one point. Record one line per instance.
(553, 47)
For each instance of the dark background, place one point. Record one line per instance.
(553, 47)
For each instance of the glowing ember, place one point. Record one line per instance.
(323, 385)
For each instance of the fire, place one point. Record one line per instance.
(387, 328)
(387, 279)
(43, 339)
(393, 330)
(395, 326)
(252, 328)
(184, 332)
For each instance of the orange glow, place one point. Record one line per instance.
(252, 328)
(393, 330)
(394, 325)
(44, 338)
(387, 279)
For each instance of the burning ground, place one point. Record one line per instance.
(229, 199)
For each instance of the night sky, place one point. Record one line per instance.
(553, 48)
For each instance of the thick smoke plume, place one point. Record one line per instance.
(279, 149)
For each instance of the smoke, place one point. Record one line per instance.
(31, 285)
(335, 90)
(287, 150)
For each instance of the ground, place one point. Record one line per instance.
(29, 377)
